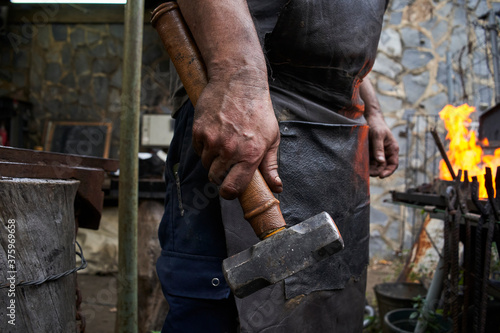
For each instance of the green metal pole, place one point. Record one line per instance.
(128, 184)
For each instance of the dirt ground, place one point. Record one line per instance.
(99, 296)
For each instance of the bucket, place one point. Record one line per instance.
(397, 295)
(399, 321)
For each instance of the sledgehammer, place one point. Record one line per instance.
(282, 251)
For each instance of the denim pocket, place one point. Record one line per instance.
(193, 276)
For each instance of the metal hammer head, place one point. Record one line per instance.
(283, 254)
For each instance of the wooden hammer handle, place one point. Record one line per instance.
(259, 205)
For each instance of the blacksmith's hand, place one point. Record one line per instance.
(235, 131)
(384, 149)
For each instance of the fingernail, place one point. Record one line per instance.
(380, 158)
(278, 179)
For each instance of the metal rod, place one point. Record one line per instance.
(127, 321)
(431, 209)
(433, 295)
(443, 152)
(417, 148)
(494, 53)
(434, 164)
(408, 147)
(426, 142)
(449, 67)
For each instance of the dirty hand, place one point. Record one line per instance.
(384, 149)
(235, 131)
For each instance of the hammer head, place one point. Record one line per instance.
(283, 254)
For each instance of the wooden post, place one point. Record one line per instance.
(37, 240)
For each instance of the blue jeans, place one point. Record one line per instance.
(193, 244)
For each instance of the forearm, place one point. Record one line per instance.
(384, 148)
(234, 127)
(369, 97)
(225, 34)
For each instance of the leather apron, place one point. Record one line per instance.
(315, 72)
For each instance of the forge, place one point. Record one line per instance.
(458, 186)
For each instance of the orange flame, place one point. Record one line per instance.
(464, 153)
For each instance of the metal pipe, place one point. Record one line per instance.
(127, 317)
(494, 52)
(433, 294)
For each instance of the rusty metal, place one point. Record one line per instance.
(454, 260)
(479, 222)
(448, 221)
(420, 199)
(49, 158)
(440, 146)
(464, 190)
(434, 195)
(478, 255)
(90, 171)
(461, 206)
(492, 216)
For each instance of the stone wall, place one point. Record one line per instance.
(431, 53)
(74, 72)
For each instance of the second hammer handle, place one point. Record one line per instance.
(259, 205)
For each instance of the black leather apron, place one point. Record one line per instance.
(318, 53)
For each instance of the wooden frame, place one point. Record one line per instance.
(78, 137)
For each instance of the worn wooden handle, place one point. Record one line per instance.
(259, 205)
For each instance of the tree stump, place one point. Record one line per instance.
(37, 240)
(153, 306)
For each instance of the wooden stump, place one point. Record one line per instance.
(37, 240)
(153, 306)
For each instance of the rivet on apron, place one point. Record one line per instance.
(215, 282)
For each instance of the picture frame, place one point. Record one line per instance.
(78, 137)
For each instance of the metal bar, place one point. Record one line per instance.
(426, 141)
(448, 221)
(478, 257)
(494, 53)
(127, 318)
(467, 274)
(497, 186)
(487, 251)
(449, 78)
(454, 260)
(408, 147)
(432, 209)
(443, 152)
(417, 148)
(432, 297)
(434, 164)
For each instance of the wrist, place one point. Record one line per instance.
(374, 114)
(242, 70)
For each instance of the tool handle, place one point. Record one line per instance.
(259, 205)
